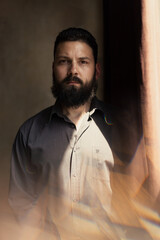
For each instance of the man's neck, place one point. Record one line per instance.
(75, 114)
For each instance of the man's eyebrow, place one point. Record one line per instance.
(80, 58)
(84, 58)
(62, 56)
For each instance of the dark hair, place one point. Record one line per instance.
(77, 34)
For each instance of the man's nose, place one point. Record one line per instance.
(73, 69)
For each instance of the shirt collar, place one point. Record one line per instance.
(105, 110)
(96, 105)
(56, 109)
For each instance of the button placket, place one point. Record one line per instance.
(75, 169)
(74, 172)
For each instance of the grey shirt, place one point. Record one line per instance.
(60, 168)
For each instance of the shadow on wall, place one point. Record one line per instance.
(122, 38)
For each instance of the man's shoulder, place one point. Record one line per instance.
(37, 121)
(108, 110)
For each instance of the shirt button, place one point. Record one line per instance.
(74, 175)
(74, 149)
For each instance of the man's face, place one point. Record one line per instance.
(74, 73)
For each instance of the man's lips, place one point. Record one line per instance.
(72, 82)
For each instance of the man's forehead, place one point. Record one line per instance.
(79, 48)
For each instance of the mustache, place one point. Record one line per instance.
(72, 79)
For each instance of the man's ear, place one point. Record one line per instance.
(53, 71)
(98, 70)
(52, 66)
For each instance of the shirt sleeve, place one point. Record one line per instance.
(25, 190)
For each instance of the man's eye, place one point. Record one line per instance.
(84, 62)
(62, 61)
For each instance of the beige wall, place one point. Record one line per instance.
(27, 33)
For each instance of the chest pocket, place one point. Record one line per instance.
(102, 162)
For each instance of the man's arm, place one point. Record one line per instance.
(25, 191)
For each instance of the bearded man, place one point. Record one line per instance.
(61, 160)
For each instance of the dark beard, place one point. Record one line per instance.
(72, 96)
